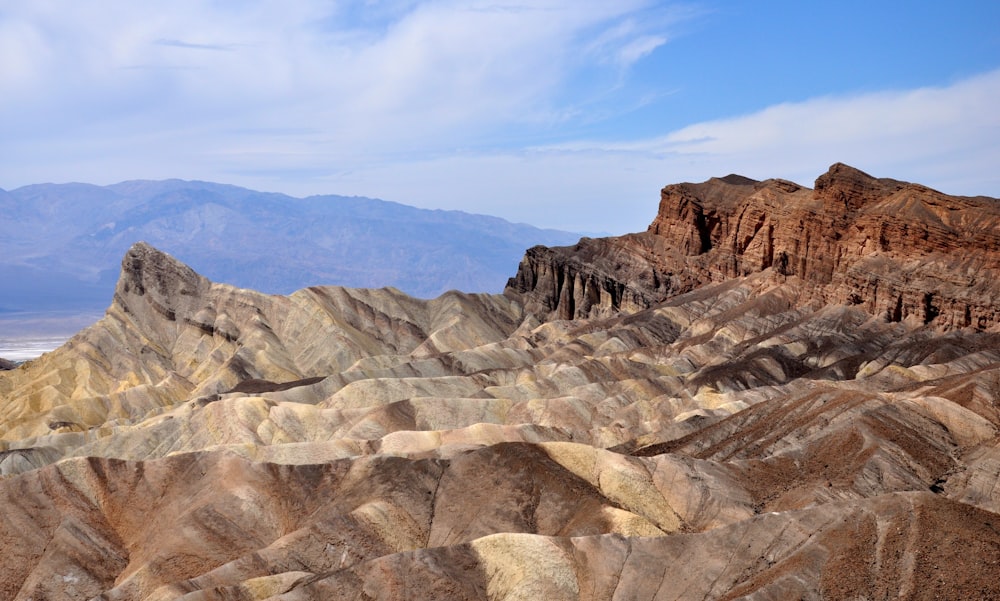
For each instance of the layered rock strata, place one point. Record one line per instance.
(743, 439)
(899, 251)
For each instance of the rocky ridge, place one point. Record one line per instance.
(61, 243)
(744, 436)
(897, 250)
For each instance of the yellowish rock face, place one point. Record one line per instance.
(749, 437)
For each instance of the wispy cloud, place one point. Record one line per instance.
(918, 133)
(639, 48)
(438, 103)
(944, 137)
(955, 114)
(193, 46)
(428, 70)
(110, 92)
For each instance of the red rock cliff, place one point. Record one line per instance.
(901, 251)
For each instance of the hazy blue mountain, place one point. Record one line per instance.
(62, 243)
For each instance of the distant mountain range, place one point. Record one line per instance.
(62, 243)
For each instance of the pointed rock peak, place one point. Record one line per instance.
(840, 177)
(843, 171)
(162, 281)
(782, 185)
(143, 260)
(845, 189)
(734, 179)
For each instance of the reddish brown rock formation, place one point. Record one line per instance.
(771, 433)
(899, 251)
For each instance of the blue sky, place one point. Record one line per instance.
(565, 114)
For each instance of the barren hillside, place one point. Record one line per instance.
(775, 392)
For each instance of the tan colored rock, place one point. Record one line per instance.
(894, 546)
(723, 425)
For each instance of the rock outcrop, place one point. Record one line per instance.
(899, 251)
(726, 430)
(61, 243)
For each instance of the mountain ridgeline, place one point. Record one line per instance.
(895, 249)
(774, 392)
(62, 243)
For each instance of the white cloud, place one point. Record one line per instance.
(961, 109)
(913, 134)
(939, 136)
(199, 88)
(431, 103)
(214, 90)
(424, 69)
(629, 39)
(639, 48)
(943, 137)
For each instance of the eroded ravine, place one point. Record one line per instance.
(774, 392)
